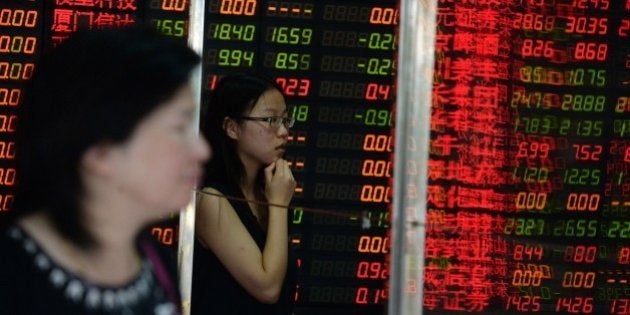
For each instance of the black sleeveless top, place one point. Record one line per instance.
(31, 282)
(216, 292)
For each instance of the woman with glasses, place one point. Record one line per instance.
(241, 257)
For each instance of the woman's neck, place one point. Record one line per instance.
(113, 261)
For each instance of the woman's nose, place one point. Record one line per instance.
(203, 148)
(283, 131)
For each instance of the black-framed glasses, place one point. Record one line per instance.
(274, 121)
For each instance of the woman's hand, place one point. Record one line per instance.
(279, 183)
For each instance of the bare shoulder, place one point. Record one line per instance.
(210, 191)
(217, 221)
(209, 197)
(213, 209)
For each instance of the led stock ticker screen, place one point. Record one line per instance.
(528, 198)
(20, 40)
(528, 208)
(335, 62)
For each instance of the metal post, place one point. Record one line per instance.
(411, 154)
(187, 215)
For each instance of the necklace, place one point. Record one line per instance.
(88, 266)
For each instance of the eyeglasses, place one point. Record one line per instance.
(275, 121)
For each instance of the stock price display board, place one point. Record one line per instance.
(528, 199)
(20, 42)
(335, 62)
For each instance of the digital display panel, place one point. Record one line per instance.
(529, 208)
(335, 61)
(20, 46)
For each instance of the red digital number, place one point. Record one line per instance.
(578, 279)
(372, 270)
(583, 202)
(378, 143)
(8, 123)
(375, 91)
(174, 5)
(527, 278)
(533, 21)
(587, 152)
(376, 168)
(163, 235)
(624, 28)
(16, 71)
(595, 4)
(384, 16)
(10, 97)
(522, 252)
(212, 82)
(623, 105)
(364, 296)
(374, 244)
(533, 150)
(294, 86)
(18, 18)
(624, 256)
(575, 305)
(531, 200)
(18, 44)
(580, 254)
(523, 303)
(375, 193)
(537, 48)
(238, 7)
(586, 25)
(590, 51)
(7, 150)
(620, 307)
(7, 202)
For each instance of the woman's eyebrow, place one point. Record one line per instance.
(273, 110)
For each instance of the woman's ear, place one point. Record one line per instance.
(97, 159)
(231, 128)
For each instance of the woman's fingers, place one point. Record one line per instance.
(269, 171)
(280, 182)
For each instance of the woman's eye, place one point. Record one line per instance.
(182, 128)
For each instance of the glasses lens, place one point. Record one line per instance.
(289, 121)
(276, 122)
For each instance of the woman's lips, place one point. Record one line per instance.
(282, 148)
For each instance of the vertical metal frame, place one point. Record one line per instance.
(187, 215)
(411, 154)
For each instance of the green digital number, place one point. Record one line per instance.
(300, 112)
(291, 35)
(292, 61)
(236, 58)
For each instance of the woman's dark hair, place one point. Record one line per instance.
(94, 87)
(233, 96)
